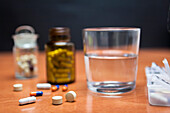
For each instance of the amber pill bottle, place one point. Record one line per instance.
(60, 56)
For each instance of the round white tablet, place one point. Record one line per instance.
(57, 100)
(70, 96)
(17, 87)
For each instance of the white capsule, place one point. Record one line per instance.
(27, 100)
(34, 61)
(17, 87)
(57, 100)
(70, 96)
(43, 86)
(158, 98)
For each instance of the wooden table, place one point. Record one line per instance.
(136, 101)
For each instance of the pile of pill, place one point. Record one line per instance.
(158, 83)
(60, 66)
(27, 65)
(56, 100)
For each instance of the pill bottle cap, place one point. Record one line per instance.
(59, 34)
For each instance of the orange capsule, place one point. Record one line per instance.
(64, 88)
(33, 94)
(54, 88)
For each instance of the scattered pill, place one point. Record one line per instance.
(158, 98)
(65, 87)
(27, 100)
(70, 96)
(37, 93)
(17, 87)
(43, 86)
(55, 88)
(56, 100)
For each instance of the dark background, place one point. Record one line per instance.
(150, 15)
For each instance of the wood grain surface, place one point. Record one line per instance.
(86, 101)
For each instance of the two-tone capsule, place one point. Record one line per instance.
(65, 87)
(37, 93)
(55, 88)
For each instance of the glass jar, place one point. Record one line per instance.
(25, 52)
(60, 56)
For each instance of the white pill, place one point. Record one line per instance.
(43, 86)
(70, 96)
(27, 100)
(57, 100)
(17, 87)
(158, 98)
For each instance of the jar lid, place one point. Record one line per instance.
(25, 37)
(24, 29)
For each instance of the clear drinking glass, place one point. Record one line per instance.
(111, 59)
